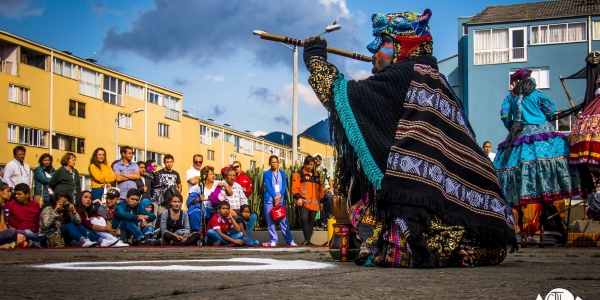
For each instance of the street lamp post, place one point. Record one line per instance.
(329, 28)
(117, 119)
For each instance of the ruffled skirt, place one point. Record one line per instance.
(585, 136)
(538, 167)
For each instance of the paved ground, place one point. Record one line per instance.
(523, 275)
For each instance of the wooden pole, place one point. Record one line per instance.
(562, 80)
(300, 43)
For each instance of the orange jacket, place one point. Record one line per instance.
(307, 186)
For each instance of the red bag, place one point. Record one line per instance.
(277, 213)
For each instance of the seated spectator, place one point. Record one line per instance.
(200, 209)
(94, 222)
(222, 228)
(23, 214)
(107, 211)
(175, 226)
(60, 214)
(9, 238)
(243, 220)
(127, 214)
(147, 227)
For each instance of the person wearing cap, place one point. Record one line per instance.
(107, 210)
(408, 154)
(327, 201)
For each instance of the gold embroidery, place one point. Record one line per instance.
(322, 76)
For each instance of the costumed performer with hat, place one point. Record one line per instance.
(425, 193)
(533, 162)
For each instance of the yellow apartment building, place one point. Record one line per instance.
(57, 103)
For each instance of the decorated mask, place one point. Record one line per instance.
(593, 58)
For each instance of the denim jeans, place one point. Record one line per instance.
(78, 232)
(30, 235)
(8, 235)
(97, 194)
(129, 227)
(148, 230)
(212, 236)
(283, 223)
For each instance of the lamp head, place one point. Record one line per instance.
(333, 27)
(258, 32)
(137, 110)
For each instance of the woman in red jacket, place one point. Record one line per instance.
(308, 192)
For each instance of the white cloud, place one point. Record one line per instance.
(341, 5)
(18, 9)
(305, 94)
(214, 78)
(249, 75)
(259, 133)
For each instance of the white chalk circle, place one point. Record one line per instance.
(233, 264)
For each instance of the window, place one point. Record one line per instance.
(242, 145)
(33, 58)
(89, 83)
(205, 135)
(229, 137)
(541, 76)
(163, 130)
(17, 94)
(158, 157)
(465, 29)
(154, 97)
(134, 90)
(64, 68)
(232, 158)
(216, 134)
(494, 46)
(171, 108)
(113, 90)
(596, 30)
(252, 164)
(258, 146)
(76, 109)
(210, 155)
(124, 121)
(565, 124)
(68, 143)
(137, 154)
(27, 136)
(558, 33)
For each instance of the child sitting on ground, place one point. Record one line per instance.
(220, 228)
(147, 227)
(243, 220)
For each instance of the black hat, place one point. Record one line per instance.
(113, 193)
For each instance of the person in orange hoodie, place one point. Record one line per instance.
(308, 191)
(240, 177)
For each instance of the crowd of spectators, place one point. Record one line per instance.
(133, 203)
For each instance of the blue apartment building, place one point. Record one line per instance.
(552, 38)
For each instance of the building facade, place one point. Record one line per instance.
(551, 38)
(58, 103)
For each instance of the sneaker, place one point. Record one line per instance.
(37, 245)
(147, 242)
(216, 243)
(293, 244)
(108, 242)
(270, 244)
(119, 243)
(88, 244)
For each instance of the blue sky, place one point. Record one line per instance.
(206, 50)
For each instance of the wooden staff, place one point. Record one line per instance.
(300, 43)
(562, 80)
